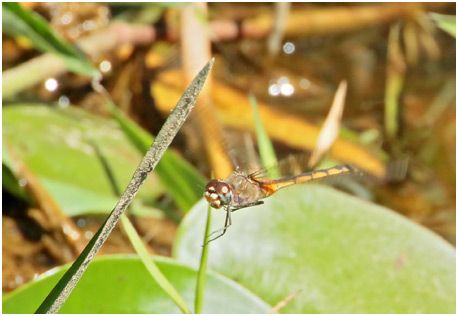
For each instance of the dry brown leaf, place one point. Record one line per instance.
(337, 19)
(196, 51)
(331, 126)
(233, 110)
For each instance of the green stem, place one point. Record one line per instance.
(202, 273)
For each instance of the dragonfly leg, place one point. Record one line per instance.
(238, 207)
(227, 223)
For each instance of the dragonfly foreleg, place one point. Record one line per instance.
(238, 207)
(227, 223)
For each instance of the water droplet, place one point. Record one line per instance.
(74, 32)
(88, 234)
(89, 25)
(19, 280)
(283, 80)
(289, 48)
(105, 66)
(64, 101)
(287, 89)
(81, 222)
(67, 18)
(51, 84)
(274, 90)
(305, 83)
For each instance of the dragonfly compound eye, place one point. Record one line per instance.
(218, 193)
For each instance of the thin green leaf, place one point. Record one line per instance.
(10, 184)
(394, 83)
(17, 21)
(143, 15)
(445, 22)
(149, 4)
(66, 284)
(151, 266)
(266, 150)
(136, 241)
(9, 181)
(202, 273)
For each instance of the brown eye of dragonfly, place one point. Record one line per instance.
(218, 193)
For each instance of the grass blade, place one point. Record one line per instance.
(394, 83)
(137, 243)
(17, 21)
(9, 180)
(266, 150)
(151, 266)
(445, 22)
(64, 287)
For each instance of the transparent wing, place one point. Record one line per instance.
(297, 164)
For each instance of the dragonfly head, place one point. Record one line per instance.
(218, 193)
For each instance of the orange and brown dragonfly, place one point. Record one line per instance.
(241, 190)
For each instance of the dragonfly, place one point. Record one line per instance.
(242, 190)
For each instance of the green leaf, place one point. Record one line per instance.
(394, 85)
(17, 21)
(55, 144)
(9, 181)
(446, 22)
(117, 285)
(152, 268)
(345, 254)
(202, 273)
(149, 4)
(266, 149)
(139, 12)
(183, 182)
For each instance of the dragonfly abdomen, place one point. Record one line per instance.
(271, 186)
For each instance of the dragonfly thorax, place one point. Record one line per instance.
(218, 193)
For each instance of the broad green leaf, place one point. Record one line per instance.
(183, 182)
(121, 285)
(56, 145)
(446, 22)
(345, 254)
(18, 21)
